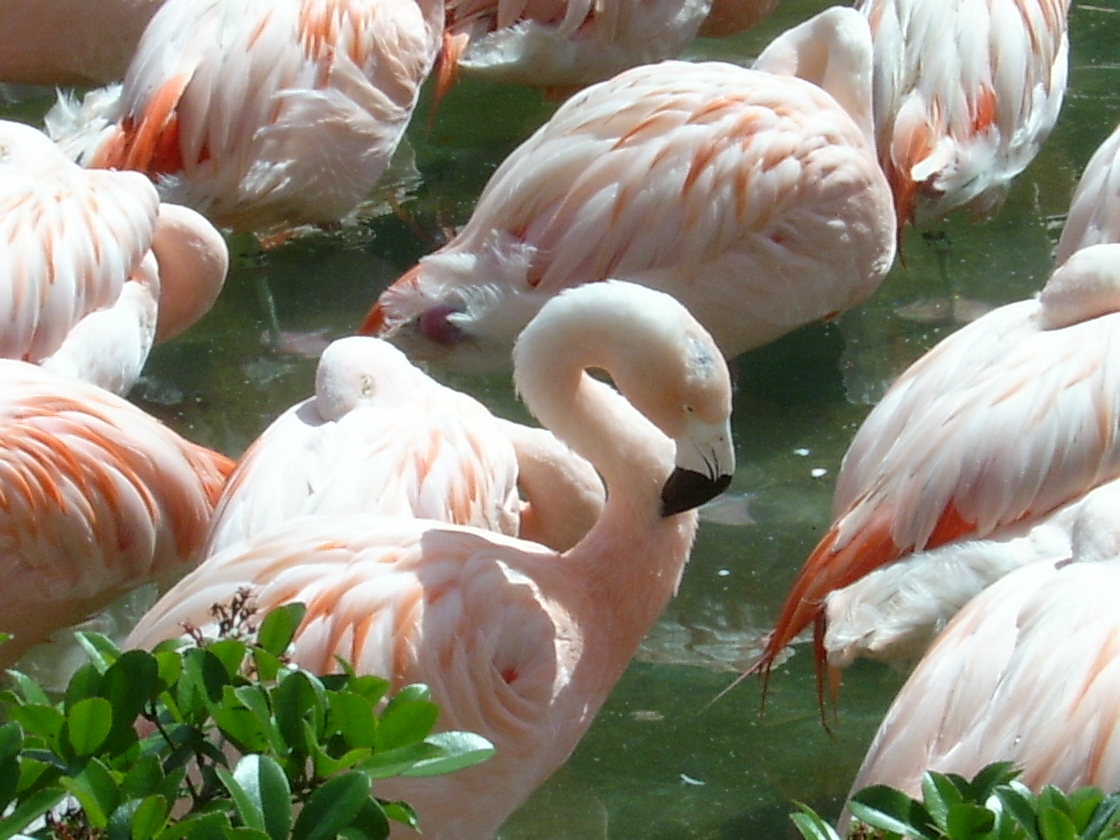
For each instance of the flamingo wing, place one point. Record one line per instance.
(706, 180)
(263, 114)
(406, 461)
(955, 126)
(70, 240)
(1001, 423)
(98, 498)
(1026, 673)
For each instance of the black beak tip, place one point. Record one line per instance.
(688, 489)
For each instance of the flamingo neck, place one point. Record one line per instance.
(631, 454)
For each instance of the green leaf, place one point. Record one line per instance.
(88, 725)
(298, 697)
(84, 683)
(279, 627)
(331, 807)
(1018, 801)
(102, 650)
(170, 666)
(1102, 817)
(231, 653)
(371, 823)
(811, 826)
(96, 790)
(1083, 802)
(985, 782)
(351, 715)
(1055, 824)
(400, 812)
(255, 699)
(43, 721)
(30, 808)
(265, 783)
(883, 807)
(386, 763)
(404, 723)
(247, 808)
(939, 795)
(11, 744)
(30, 689)
(969, 820)
(241, 727)
(458, 750)
(149, 817)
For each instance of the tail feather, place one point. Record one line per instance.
(382, 317)
(830, 568)
(148, 143)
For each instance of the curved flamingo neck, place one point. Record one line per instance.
(629, 452)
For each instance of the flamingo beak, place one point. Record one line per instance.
(704, 468)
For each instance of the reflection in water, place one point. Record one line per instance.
(663, 762)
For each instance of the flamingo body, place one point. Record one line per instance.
(955, 126)
(89, 258)
(567, 42)
(1026, 672)
(96, 498)
(1094, 210)
(986, 436)
(380, 436)
(752, 196)
(517, 642)
(262, 115)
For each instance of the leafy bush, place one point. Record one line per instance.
(215, 739)
(993, 806)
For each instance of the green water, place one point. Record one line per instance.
(660, 763)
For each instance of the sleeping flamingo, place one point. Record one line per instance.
(567, 43)
(95, 268)
(1094, 210)
(70, 42)
(981, 442)
(99, 498)
(955, 126)
(381, 436)
(1026, 672)
(752, 196)
(262, 114)
(517, 642)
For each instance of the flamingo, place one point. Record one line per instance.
(1094, 210)
(753, 196)
(381, 436)
(1026, 672)
(98, 498)
(955, 126)
(517, 642)
(986, 438)
(70, 42)
(262, 115)
(571, 43)
(96, 269)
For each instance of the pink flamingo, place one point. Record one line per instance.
(1094, 210)
(719, 185)
(954, 126)
(518, 642)
(1026, 672)
(986, 443)
(99, 498)
(262, 115)
(571, 43)
(96, 270)
(70, 42)
(380, 436)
